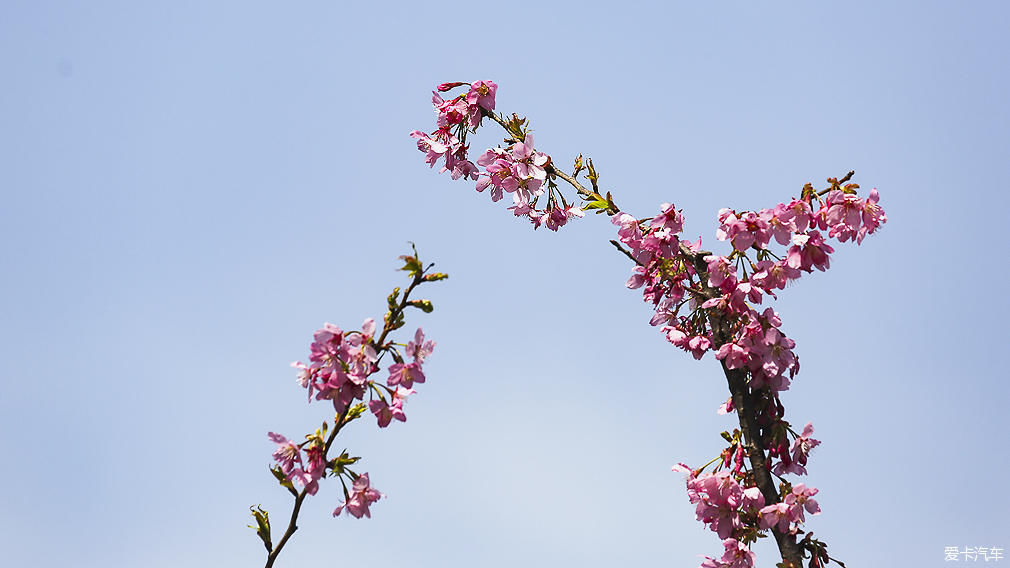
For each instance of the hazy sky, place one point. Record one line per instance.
(192, 188)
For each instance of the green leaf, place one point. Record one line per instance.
(262, 526)
(355, 412)
(592, 176)
(435, 276)
(283, 479)
(411, 265)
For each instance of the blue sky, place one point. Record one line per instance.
(191, 189)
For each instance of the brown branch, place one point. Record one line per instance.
(745, 403)
(292, 527)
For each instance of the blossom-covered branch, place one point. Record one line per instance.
(340, 370)
(701, 302)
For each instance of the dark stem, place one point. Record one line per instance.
(745, 404)
(292, 527)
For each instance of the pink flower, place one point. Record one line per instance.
(717, 496)
(801, 499)
(448, 86)
(873, 216)
(698, 345)
(790, 510)
(721, 273)
(774, 275)
(753, 499)
(750, 230)
(451, 112)
(419, 349)
(361, 497)
(405, 374)
(287, 454)
(433, 149)
(780, 223)
(800, 450)
(670, 219)
(737, 555)
(799, 213)
(482, 94)
(776, 515)
(735, 355)
(528, 162)
(314, 469)
(809, 251)
(726, 407)
(386, 412)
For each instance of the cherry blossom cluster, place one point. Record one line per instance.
(340, 364)
(517, 168)
(704, 302)
(732, 285)
(342, 368)
(732, 506)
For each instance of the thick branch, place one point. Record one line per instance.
(745, 402)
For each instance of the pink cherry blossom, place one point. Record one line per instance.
(737, 555)
(717, 496)
(528, 162)
(315, 467)
(734, 355)
(287, 455)
(418, 348)
(360, 499)
(482, 94)
(405, 374)
(386, 412)
(670, 218)
(796, 460)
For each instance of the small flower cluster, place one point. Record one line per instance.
(288, 456)
(737, 555)
(341, 362)
(794, 458)
(732, 506)
(726, 285)
(362, 495)
(721, 500)
(518, 169)
(340, 369)
(842, 213)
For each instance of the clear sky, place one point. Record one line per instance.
(190, 189)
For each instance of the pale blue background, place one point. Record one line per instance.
(190, 189)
